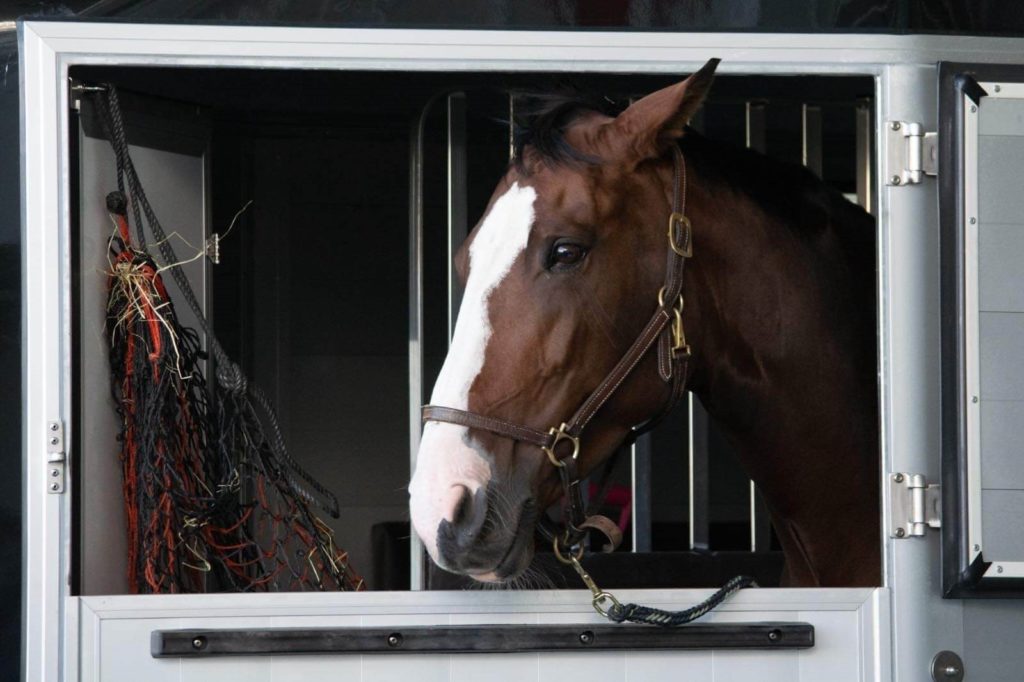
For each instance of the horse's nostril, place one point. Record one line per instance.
(463, 507)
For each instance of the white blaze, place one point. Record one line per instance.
(445, 459)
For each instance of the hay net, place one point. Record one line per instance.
(213, 500)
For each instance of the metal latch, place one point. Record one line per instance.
(56, 459)
(911, 153)
(916, 505)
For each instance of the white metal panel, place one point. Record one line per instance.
(118, 630)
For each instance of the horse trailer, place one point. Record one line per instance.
(319, 181)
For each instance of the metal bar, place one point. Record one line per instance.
(865, 144)
(203, 643)
(700, 480)
(760, 522)
(811, 129)
(416, 573)
(756, 136)
(640, 454)
(458, 204)
(511, 127)
(756, 139)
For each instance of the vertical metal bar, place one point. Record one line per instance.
(811, 129)
(760, 522)
(700, 481)
(760, 527)
(458, 205)
(756, 136)
(864, 144)
(511, 127)
(640, 454)
(416, 572)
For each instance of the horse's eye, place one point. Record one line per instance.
(566, 254)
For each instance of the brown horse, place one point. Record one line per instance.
(563, 272)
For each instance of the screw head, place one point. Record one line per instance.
(974, 399)
(895, 125)
(974, 109)
(973, 221)
(395, 639)
(54, 440)
(900, 532)
(54, 472)
(53, 426)
(55, 487)
(977, 548)
(998, 88)
(586, 637)
(999, 569)
(774, 635)
(896, 179)
(199, 643)
(898, 478)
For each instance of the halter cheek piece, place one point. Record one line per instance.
(562, 444)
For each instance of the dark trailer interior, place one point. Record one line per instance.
(312, 290)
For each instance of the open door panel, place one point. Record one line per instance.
(982, 242)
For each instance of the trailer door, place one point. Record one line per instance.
(982, 296)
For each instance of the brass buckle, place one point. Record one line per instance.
(682, 223)
(602, 601)
(561, 434)
(678, 333)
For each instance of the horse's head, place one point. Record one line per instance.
(560, 276)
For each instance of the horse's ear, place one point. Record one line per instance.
(652, 124)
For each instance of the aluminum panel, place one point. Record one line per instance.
(1001, 117)
(1001, 442)
(1001, 511)
(1000, 275)
(1000, 340)
(1000, 199)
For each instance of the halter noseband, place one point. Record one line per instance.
(665, 328)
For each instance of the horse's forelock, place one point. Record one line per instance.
(541, 123)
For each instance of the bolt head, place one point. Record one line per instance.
(998, 88)
(900, 532)
(395, 639)
(977, 548)
(974, 399)
(896, 180)
(999, 569)
(774, 635)
(973, 221)
(53, 426)
(895, 125)
(54, 440)
(974, 109)
(54, 472)
(54, 487)
(899, 478)
(199, 643)
(586, 637)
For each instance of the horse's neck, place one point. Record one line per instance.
(789, 377)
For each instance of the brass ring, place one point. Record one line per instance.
(679, 219)
(561, 557)
(560, 434)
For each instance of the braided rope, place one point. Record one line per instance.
(636, 613)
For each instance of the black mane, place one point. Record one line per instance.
(542, 119)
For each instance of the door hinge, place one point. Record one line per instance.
(56, 459)
(910, 153)
(916, 505)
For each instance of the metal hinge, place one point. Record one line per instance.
(916, 505)
(56, 458)
(76, 89)
(911, 153)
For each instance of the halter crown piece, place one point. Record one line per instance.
(562, 444)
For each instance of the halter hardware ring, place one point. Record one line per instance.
(574, 556)
(678, 333)
(677, 221)
(560, 434)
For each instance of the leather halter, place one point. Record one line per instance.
(562, 444)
